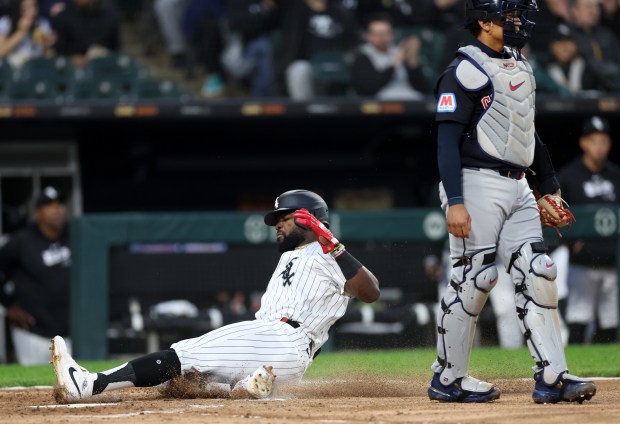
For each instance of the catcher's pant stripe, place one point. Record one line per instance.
(234, 351)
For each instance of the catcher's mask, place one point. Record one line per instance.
(515, 34)
(297, 199)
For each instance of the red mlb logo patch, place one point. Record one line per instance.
(446, 103)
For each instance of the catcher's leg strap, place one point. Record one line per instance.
(472, 279)
(536, 296)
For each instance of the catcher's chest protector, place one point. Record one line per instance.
(506, 129)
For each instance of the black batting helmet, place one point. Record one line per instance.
(496, 10)
(297, 199)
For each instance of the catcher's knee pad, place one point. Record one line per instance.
(534, 273)
(536, 295)
(472, 280)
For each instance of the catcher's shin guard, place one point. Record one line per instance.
(536, 295)
(472, 280)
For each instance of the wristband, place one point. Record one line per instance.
(338, 250)
(348, 264)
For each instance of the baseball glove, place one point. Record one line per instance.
(553, 214)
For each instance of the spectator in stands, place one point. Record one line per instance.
(550, 14)
(51, 8)
(443, 15)
(385, 70)
(24, 34)
(35, 262)
(569, 70)
(610, 15)
(447, 16)
(85, 28)
(248, 54)
(202, 25)
(596, 42)
(168, 14)
(310, 27)
(592, 277)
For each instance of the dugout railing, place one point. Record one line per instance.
(93, 236)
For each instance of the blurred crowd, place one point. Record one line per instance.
(306, 48)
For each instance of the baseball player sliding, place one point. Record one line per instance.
(486, 143)
(308, 292)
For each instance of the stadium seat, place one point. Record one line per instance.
(6, 78)
(118, 67)
(96, 89)
(56, 72)
(34, 89)
(149, 88)
(332, 73)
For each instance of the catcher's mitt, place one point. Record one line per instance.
(553, 214)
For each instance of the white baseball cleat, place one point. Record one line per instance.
(72, 381)
(257, 385)
(261, 382)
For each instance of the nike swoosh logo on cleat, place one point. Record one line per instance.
(71, 372)
(515, 87)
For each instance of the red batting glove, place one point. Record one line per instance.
(326, 238)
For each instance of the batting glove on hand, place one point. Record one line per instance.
(329, 243)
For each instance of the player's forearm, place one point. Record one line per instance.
(364, 286)
(449, 160)
(543, 167)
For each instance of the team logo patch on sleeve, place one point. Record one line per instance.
(446, 103)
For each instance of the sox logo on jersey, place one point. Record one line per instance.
(286, 274)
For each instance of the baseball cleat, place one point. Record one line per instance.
(260, 383)
(465, 390)
(257, 385)
(72, 381)
(567, 388)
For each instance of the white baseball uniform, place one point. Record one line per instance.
(307, 289)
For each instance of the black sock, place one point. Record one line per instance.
(122, 374)
(146, 371)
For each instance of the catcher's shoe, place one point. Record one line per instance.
(72, 381)
(567, 388)
(465, 389)
(258, 384)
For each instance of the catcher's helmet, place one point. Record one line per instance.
(514, 35)
(297, 199)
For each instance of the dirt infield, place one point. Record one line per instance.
(363, 399)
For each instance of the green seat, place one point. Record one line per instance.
(56, 71)
(149, 88)
(117, 67)
(6, 79)
(96, 89)
(332, 73)
(34, 89)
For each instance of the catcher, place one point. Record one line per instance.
(487, 143)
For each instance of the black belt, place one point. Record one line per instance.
(295, 324)
(515, 174)
(290, 322)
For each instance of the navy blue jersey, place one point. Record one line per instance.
(458, 113)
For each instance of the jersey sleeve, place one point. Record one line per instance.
(543, 167)
(453, 102)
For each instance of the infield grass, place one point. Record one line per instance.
(486, 363)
